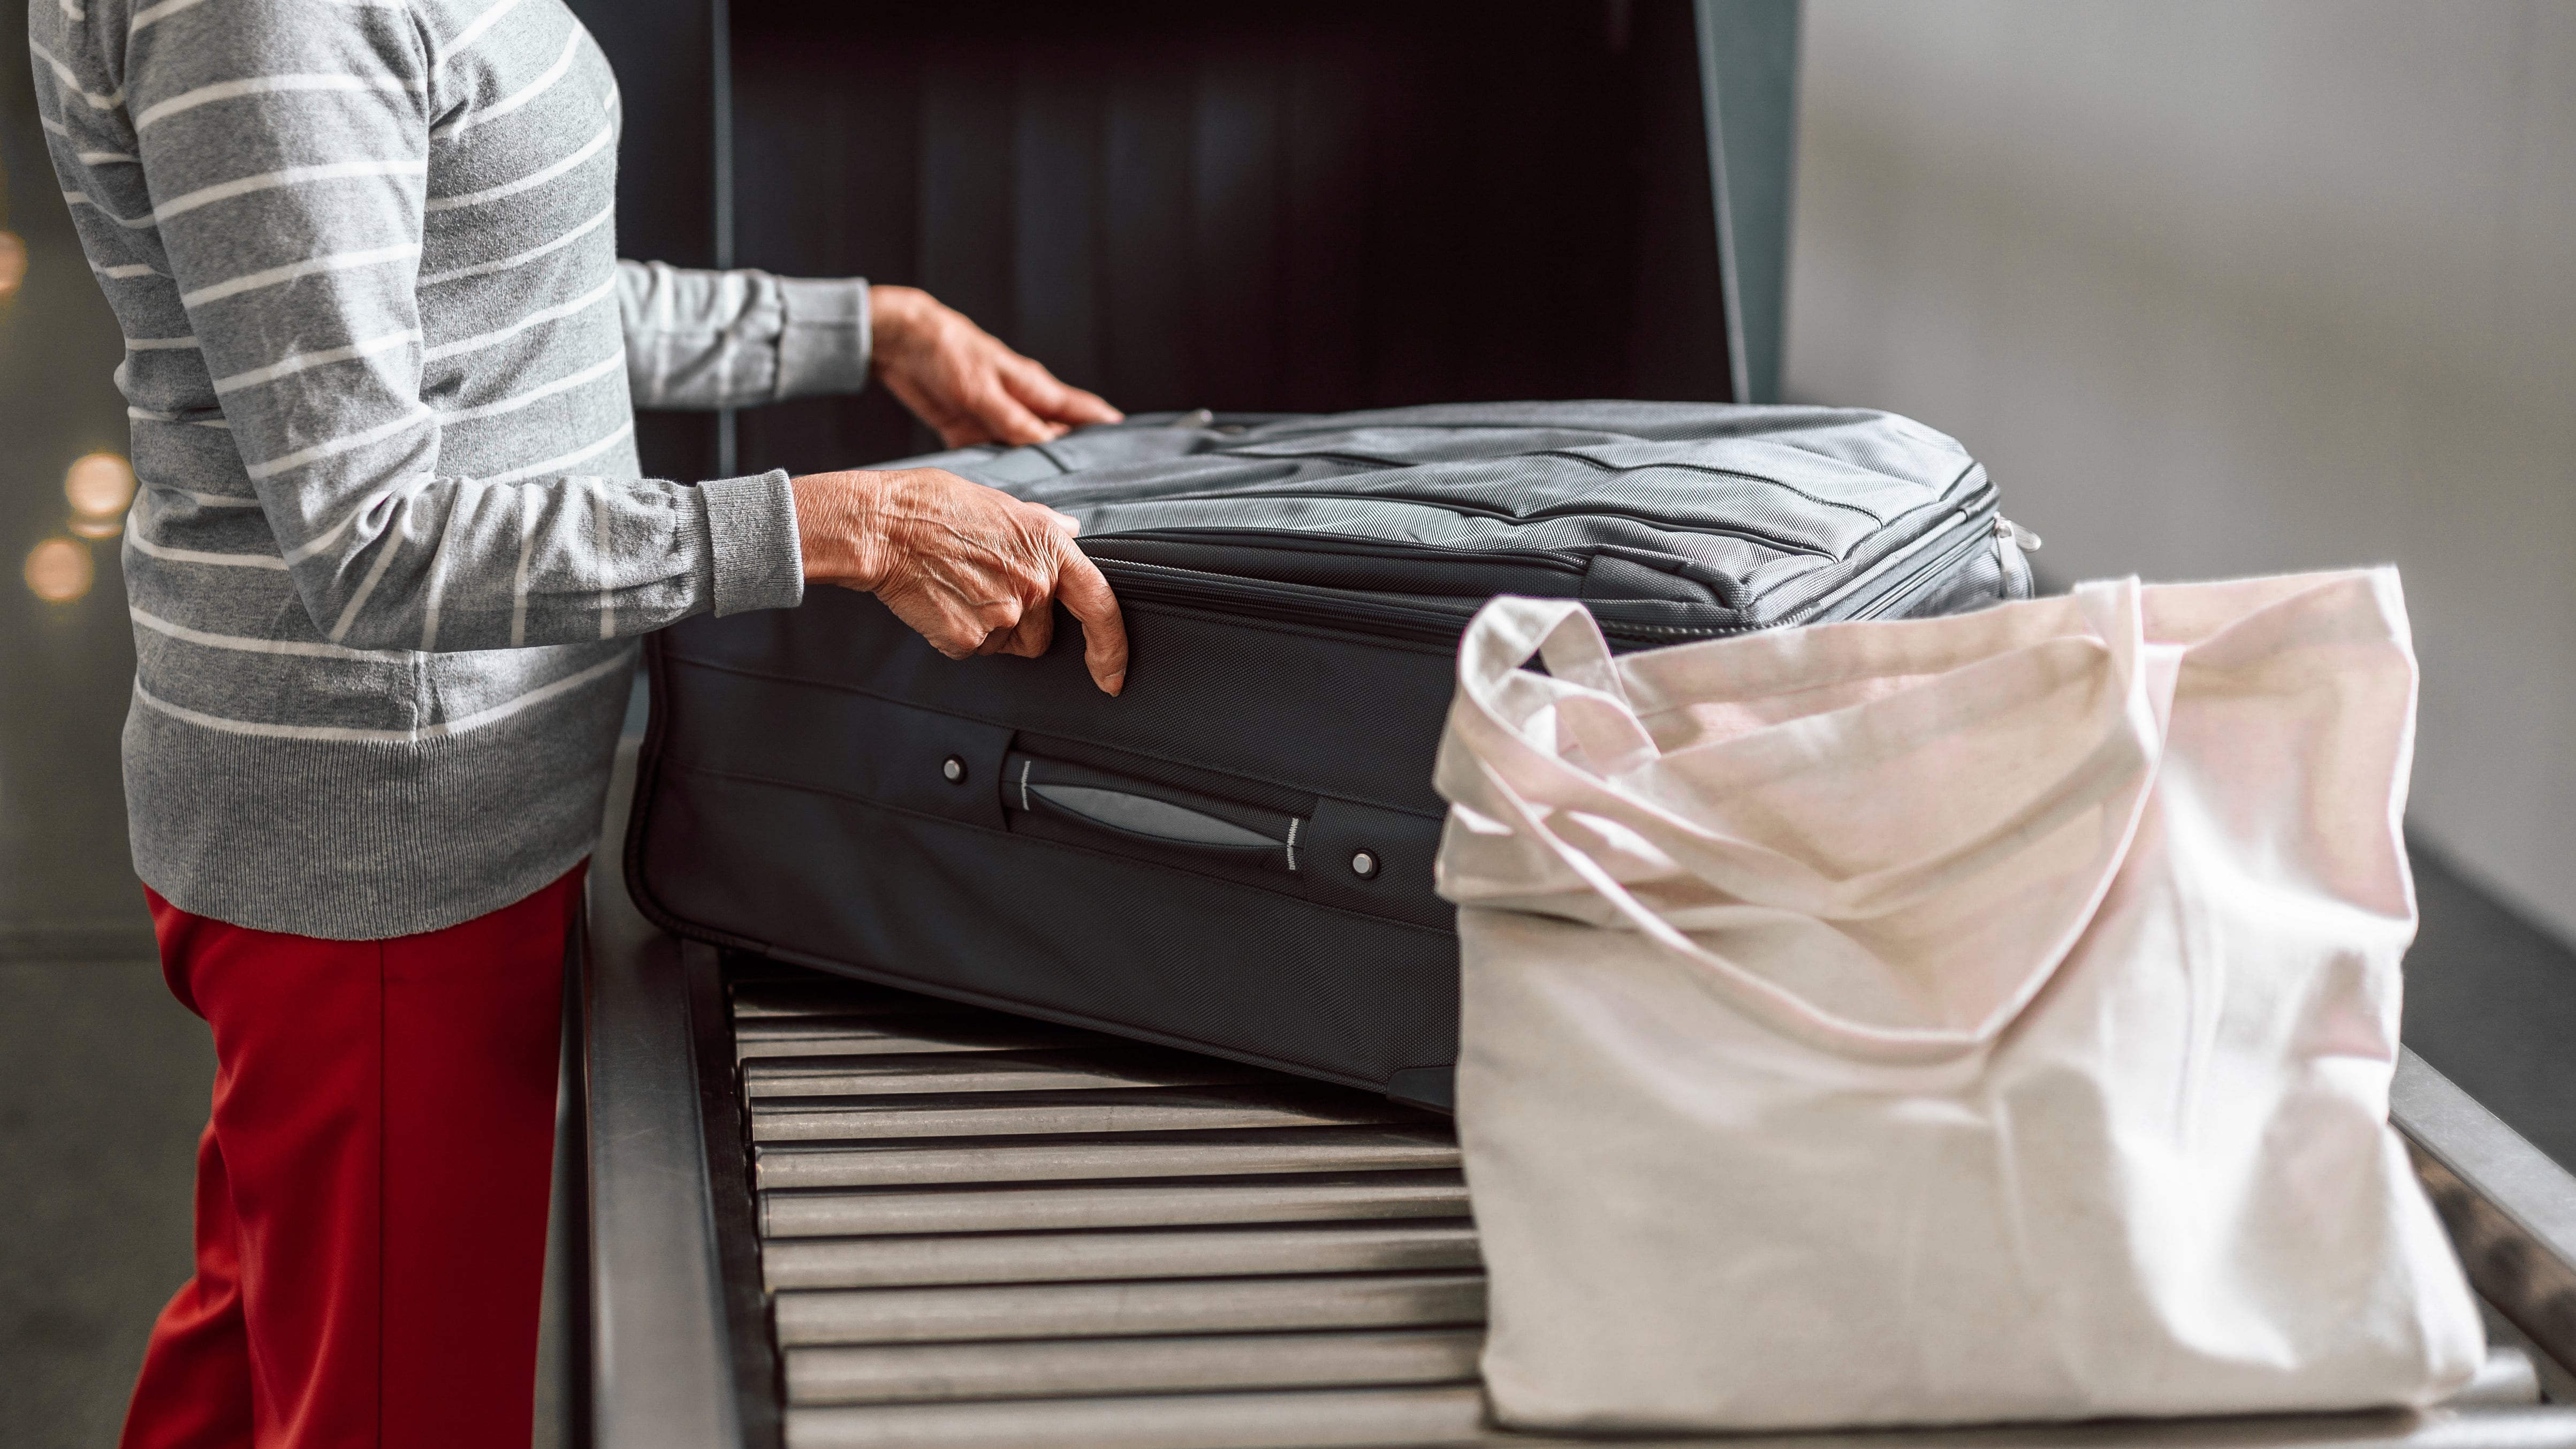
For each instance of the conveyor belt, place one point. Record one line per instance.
(983, 1233)
(823, 1213)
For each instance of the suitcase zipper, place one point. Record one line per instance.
(1392, 465)
(1341, 610)
(1970, 541)
(1984, 505)
(1452, 505)
(1422, 621)
(1561, 560)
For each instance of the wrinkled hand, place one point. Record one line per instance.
(972, 568)
(962, 381)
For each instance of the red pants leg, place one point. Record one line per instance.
(372, 1189)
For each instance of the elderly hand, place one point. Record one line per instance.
(963, 382)
(972, 568)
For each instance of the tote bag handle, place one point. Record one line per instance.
(1591, 705)
(1589, 698)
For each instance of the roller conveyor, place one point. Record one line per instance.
(1209, 1285)
(825, 1213)
(1268, 1250)
(1166, 1154)
(1000, 1207)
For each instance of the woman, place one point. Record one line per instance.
(386, 568)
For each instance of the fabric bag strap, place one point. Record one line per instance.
(1499, 704)
(1616, 777)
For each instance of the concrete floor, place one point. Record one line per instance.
(104, 1083)
(103, 1088)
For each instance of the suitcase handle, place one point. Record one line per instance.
(1147, 813)
(1147, 818)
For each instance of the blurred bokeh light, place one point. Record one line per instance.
(59, 571)
(13, 264)
(98, 486)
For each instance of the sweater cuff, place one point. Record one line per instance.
(824, 343)
(751, 530)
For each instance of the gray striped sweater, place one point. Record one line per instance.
(391, 546)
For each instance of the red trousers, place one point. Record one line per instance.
(371, 1186)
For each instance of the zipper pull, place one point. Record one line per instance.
(2022, 538)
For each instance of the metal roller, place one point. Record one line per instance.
(940, 1372)
(856, 1036)
(1380, 1418)
(907, 1373)
(1307, 1419)
(936, 1022)
(1359, 1418)
(1269, 1250)
(1188, 1202)
(1021, 1114)
(1384, 1418)
(811, 996)
(1120, 1310)
(1157, 1154)
(994, 1071)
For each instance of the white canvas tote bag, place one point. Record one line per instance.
(1948, 1020)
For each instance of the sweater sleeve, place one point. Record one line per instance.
(738, 339)
(286, 147)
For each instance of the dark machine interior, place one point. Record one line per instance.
(1262, 207)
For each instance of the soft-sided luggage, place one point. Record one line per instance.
(1235, 855)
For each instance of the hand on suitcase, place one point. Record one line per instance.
(962, 381)
(971, 568)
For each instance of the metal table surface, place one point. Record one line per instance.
(826, 1214)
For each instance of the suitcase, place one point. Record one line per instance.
(1235, 855)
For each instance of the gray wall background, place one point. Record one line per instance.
(2219, 287)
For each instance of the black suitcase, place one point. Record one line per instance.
(1235, 856)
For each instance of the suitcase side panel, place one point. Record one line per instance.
(794, 802)
(1054, 930)
(1264, 699)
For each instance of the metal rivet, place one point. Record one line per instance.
(953, 770)
(1364, 865)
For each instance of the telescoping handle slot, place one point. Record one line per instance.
(1147, 818)
(1119, 808)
